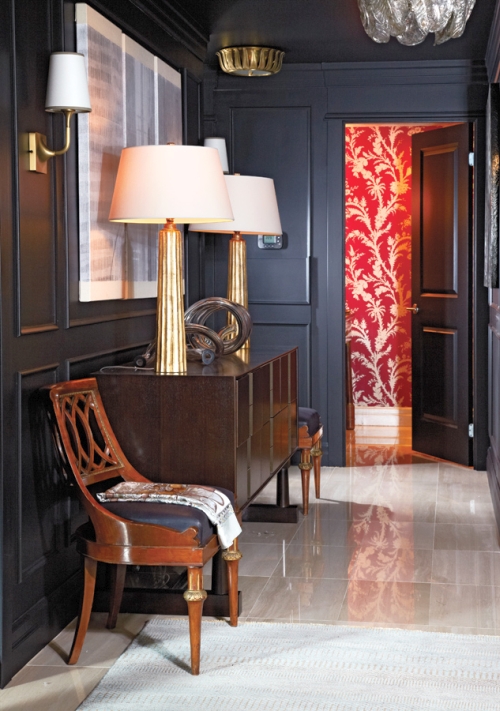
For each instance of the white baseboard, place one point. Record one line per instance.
(383, 416)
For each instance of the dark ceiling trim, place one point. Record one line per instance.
(371, 116)
(493, 49)
(358, 74)
(176, 24)
(161, 30)
(419, 72)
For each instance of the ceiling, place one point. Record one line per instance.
(322, 31)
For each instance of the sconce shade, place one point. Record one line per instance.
(67, 86)
(220, 144)
(254, 206)
(183, 183)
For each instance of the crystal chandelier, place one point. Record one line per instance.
(410, 21)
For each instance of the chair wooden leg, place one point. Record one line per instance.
(316, 454)
(232, 557)
(115, 598)
(305, 467)
(89, 577)
(195, 597)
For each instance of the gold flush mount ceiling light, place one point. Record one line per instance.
(250, 61)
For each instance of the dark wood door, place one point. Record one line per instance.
(441, 330)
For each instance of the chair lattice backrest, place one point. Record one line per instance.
(82, 433)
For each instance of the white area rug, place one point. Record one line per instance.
(296, 667)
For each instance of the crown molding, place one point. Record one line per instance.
(162, 27)
(179, 26)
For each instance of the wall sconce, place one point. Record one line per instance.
(67, 92)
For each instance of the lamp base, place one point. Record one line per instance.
(170, 333)
(237, 290)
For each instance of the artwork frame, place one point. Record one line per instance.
(136, 99)
(492, 184)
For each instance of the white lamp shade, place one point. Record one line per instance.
(254, 206)
(220, 144)
(183, 183)
(67, 86)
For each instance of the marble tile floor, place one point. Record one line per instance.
(376, 434)
(387, 545)
(367, 445)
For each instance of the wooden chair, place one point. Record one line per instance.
(309, 444)
(132, 533)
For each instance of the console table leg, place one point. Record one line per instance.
(282, 512)
(282, 488)
(219, 574)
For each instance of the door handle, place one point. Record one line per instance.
(414, 309)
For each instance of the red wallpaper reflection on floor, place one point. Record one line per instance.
(378, 261)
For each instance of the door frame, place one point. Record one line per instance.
(336, 282)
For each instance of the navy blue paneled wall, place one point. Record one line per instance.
(290, 127)
(47, 335)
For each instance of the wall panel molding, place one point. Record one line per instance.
(273, 281)
(90, 320)
(28, 383)
(43, 328)
(82, 366)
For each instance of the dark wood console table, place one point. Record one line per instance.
(231, 424)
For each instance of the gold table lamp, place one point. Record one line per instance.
(255, 209)
(170, 184)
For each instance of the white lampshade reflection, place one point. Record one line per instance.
(183, 183)
(220, 144)
(254, 204)
(67, 86)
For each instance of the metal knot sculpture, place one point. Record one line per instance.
(203, 342)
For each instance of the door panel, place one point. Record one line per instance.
(441, 340)
(439, 403)
(438, 227)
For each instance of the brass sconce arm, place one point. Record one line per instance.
(39, 152)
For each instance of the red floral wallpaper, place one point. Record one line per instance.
(378, 261)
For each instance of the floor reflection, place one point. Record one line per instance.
(369, 446)
(386, 545)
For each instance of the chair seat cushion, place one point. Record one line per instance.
(175, 516)
(311, 418)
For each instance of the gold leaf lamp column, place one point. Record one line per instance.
(170, 336)
(237, 289)
(255, 209)
(169, 185)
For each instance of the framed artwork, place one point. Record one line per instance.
(491, 224)
(136, 100)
